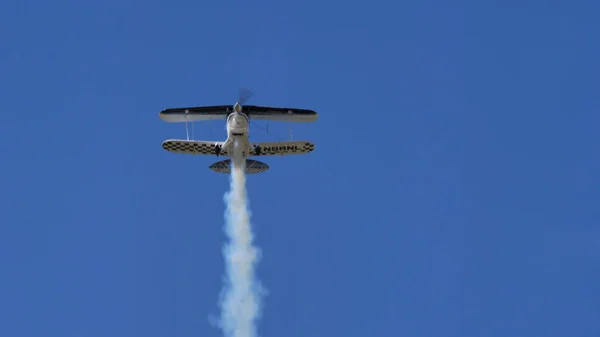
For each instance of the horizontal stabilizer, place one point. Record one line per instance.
(252, 166)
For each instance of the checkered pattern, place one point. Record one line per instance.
(191, 147)
(252, 166)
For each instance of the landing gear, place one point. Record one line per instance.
(217, 149)
(257, 150)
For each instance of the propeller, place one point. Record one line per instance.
(244, 95)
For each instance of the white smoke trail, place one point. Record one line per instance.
(240, 304)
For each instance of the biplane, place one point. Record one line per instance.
(237, 124)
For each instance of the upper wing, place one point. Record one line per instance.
(280, 114)
(193, 147)
(206, 113)
(282, 148)
(193, 114)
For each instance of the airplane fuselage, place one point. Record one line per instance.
(238, 131)
(237, 125)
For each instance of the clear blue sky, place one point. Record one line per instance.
(454, 190)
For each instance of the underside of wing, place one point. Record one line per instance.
(193, 147)
(220, 112)
(194, 114)
(282, 148)
(280, 114)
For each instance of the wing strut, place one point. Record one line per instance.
(187, 133)
(290, 118)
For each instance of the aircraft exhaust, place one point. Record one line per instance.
(240, 298)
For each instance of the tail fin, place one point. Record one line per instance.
(252, 166)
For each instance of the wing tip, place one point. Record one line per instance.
(170, 115)
(162, 115)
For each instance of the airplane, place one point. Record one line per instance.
(237, 125)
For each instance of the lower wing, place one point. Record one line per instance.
(194, 147)
(282, 148)
(219, 148)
